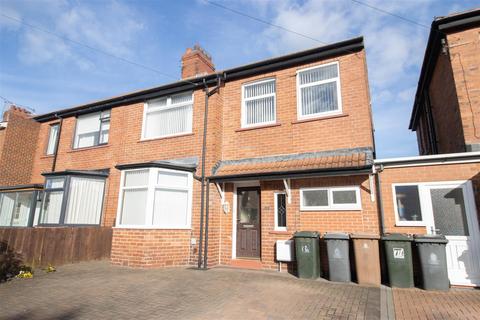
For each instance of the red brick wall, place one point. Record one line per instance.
(351, 129)
(445, 172)
(358, 221)
(464, 52)
(223, 142)
(445, 108)
(18, 147)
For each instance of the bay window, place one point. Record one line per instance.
(168, 116)
(258, 103)
(72, 200)
(92, 129)
(333, 198)
(155, 198)
(17, 208)
(318, 91)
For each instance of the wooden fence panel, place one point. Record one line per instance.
(39, 247)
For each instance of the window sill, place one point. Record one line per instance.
(320, 118)
(167, 137)
(50, 156)
(330, 209)
(272, 125)
(281, 232)
(410, 224)
(89, 148)
(151, 228)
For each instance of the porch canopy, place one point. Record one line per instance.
(340, 162)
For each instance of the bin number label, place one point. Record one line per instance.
(306, 248)
(398, 253)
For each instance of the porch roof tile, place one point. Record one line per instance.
(337, 159)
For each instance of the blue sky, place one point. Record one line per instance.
(45, 72)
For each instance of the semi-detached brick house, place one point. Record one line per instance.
(289, 146)
(278, 131)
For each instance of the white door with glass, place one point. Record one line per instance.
(451, 211)
(446, 208)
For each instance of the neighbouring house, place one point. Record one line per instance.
(215, 168)
(440, 192)
(446, 112)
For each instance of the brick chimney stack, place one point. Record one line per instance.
(18, 111)
(196, 62)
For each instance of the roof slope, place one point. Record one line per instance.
(440, 27)
(336, 49)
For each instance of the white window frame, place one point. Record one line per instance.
(400, 223)
(169, 105)
(331, 206)
(244, 100)
(149, 207)
(55, 142)
(276, 227)
(300, 116)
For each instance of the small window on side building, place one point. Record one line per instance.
(52, 139)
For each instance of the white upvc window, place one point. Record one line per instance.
(52, 139)
(407, 203)
(318, 91)
(258, 103)
(168, 116)
(330, 199)
(92, 129)
(155, 198)
(280, 206)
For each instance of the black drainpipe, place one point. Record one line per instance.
(57, 143)
(202, 177)
(205, 256)
(379, 198)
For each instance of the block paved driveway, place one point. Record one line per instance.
(97, 290)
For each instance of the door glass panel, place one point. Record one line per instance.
(449, 211)
(249, 206)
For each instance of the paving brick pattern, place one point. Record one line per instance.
(100, 291)
(420, 304)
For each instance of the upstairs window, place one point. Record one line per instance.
(52, 139)
(318, 91)
(155, 198)
(258, 103)
(92, 129)
(168, 116)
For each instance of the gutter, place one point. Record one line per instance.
(437, 159)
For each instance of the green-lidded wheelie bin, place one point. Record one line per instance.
(338, 256)
(307, 251)
(433, 261)
(398, 252)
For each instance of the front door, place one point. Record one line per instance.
(451, 212)
(248, 222)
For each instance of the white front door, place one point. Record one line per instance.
(450, 210)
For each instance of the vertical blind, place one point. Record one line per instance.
(135, 190)
(169, 116)
(169, 195)
(85, 200)
(52, 139)
(52, 207)
(7, 203)
(319, 90)
(259, 102)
